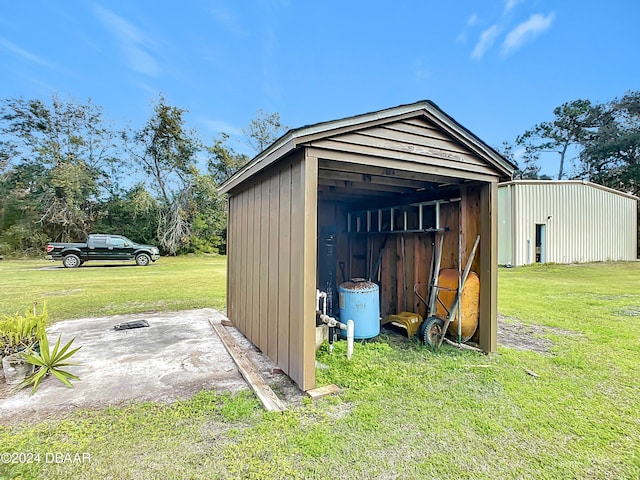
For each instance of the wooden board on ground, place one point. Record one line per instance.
(323, 391)
(268, 398)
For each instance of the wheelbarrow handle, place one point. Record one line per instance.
(456, 302)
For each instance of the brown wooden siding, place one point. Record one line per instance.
(271, 258)
(408, 164)
(488, 270)
(411, 140)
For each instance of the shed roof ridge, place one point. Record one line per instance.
(287, 141)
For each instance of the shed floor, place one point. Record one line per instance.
(177, 356)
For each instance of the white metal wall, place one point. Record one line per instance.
(583, 222)
(505, 228)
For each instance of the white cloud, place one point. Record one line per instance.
(487, 39)
(473, 19)
(526, 32)
(510, 5)
(24, 54)
(135, 43)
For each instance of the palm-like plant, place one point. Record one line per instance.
(50, 362)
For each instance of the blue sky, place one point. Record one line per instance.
(497, 66)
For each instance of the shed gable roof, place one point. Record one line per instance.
(425, 114)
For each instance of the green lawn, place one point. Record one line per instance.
(109, 288)
(404, 411)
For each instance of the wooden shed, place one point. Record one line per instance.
(381, 183)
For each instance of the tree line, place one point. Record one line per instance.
(65, 172)
(601, 142)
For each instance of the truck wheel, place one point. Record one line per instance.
(71, 261)
(143, 259)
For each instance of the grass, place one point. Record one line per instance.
(404, 411)
(95, 289)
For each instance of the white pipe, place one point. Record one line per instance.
(350, 333)
(349, 328)
(320, 295)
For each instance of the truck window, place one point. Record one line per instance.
(115, 242)
(98, 241)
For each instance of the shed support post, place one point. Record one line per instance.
(488, 325)
(309, 259)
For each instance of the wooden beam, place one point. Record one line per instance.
(323, 391)
(338, 197)
(488, 322)
(397, 144)
(371, 179)
(403, 132)
(355, 166)
(408, 153)
(363, 186)
(350, 193)
(310, 263)
(449, 171)
(268, 398)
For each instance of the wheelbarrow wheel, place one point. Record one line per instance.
(430, 331)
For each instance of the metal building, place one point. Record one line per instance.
(570, 221)
(382, 183)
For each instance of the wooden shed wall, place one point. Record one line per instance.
(271, 256)
(406, 144)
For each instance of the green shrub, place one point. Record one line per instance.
(21, 332)
(21, 241)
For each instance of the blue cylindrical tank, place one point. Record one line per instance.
(360, 302)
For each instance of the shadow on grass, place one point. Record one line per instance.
(93, 265)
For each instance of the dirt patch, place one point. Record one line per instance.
(512, 333)
(632, 311)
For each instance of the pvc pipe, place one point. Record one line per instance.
(322, 295)
(349, 327)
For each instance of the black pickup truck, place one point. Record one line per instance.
(102, 247)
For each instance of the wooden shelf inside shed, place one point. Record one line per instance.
(421, 217)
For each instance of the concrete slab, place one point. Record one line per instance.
(178, 355)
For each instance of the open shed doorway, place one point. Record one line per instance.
(381, 225)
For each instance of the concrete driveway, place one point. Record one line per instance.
(178, 355)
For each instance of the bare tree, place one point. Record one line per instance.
(263, 130)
